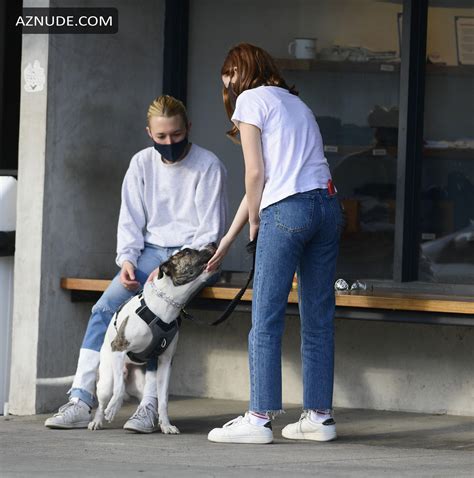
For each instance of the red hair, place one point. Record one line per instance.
(255, 67)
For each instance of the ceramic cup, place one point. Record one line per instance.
(303, 48)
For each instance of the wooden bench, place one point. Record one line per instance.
(379, 305)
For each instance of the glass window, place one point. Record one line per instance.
(447, 189)
(343, 58)
(353, 89)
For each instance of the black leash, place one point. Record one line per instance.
(251, 248)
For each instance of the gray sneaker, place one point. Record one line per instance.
(144, 420)
(74, 414)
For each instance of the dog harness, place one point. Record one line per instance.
(162, 333)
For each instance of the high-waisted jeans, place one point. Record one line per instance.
(300, 233)
(84, 381)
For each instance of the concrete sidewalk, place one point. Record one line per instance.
(370, 444)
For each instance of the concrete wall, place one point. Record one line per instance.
(382, 366)
(77, 138)
(29, 232)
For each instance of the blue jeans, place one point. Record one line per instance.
(102, 312)
(300, 233)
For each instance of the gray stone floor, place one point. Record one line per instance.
(370, 444)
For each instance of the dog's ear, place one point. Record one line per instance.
(160, 273)
(164, 269)
(184, 252)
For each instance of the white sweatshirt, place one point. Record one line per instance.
(183, 204)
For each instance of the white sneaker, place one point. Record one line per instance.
(144, 420)
(240, 430)
(306, 429)
(74, 414)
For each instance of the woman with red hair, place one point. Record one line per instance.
(292, 206)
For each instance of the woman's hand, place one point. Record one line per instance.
(254, 230)
(216, 259)
(127, 276)
(153, 274)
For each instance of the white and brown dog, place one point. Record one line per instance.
(147, 326)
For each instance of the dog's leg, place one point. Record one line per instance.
(164, 373)
(136, 381)
(118, 366)
(105, 383)
(104, 391)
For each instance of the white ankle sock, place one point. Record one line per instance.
(258, 419)
(319, 416)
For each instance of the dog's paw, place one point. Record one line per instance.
(95, 425)
(169, 429)
(112, 410)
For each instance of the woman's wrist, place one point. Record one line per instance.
(228, 238)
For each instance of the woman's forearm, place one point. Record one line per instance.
(251, 141)
(240, 219)
(254, 188)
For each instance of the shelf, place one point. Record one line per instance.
(453, 153)
(450, 70)
(337, 66)
(431, 153)
(293, 64)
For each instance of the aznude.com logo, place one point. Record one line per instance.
(68, 20)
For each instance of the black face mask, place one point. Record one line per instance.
(172, 152)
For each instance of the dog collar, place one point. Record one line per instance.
(169, 300)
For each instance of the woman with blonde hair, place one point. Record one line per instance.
(173, 196)
(292, 205)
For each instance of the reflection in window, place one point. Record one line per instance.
(447, 191)
(352, 87)
(366, 182)
(343, 57)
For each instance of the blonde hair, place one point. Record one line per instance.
(167, 106)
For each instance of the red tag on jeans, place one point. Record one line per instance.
(331, 188)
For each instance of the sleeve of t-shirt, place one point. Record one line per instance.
(250, 109)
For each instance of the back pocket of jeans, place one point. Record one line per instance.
(294, 214)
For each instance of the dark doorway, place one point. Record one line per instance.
(10, 85)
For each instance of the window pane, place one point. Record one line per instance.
(447, 193)
(352, 86)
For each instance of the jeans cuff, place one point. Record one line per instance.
(83, 395)
(272, 414)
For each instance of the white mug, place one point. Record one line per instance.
(303, 48)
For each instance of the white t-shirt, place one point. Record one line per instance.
(292, 146)
(183, 204)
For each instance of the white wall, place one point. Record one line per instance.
(8, 189)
